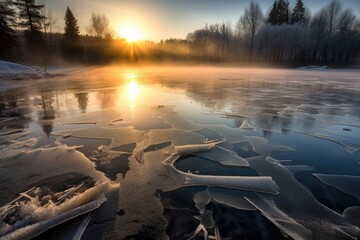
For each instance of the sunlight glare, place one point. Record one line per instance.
(133, 89)
(130, 32)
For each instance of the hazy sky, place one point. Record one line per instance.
(162, 19)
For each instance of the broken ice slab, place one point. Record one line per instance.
(196, 148)
(184, 150)
(176, 136)
(208, 134)
(116, 135)
(224, 156)
(255, 184)
(51, 215)
(9, 131)
(231, 197)
(201, 199)
(40, 209)
(13, 135)
(345, 183)
(294, 198)
(286, 224)
(104, 117)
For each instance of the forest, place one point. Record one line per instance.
(280, 35)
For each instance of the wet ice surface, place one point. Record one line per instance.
(149, 153)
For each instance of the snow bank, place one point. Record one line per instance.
(9, 67)
(10, 70)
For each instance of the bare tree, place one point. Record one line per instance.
(333, 10)
(99, 26)
(251, 22)
(48, 23)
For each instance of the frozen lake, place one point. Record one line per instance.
(157, 153)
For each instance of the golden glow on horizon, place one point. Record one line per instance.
(130, 32)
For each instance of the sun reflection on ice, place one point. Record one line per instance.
(132, 91)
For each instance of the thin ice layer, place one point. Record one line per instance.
(232, 198)
(118, 136)
(345, 183)
(104, 116)
(224, 156)
(294, 198)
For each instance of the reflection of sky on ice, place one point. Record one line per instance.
(152, 129)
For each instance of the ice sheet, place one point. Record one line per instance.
(345, 183)
(224, 156)
(292, 201)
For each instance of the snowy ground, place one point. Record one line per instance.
(10, 70)
(15, 71)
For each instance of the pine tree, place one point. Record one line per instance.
(283, 11)
(7, 34)
(70, 41)
(30, 17)
(273, 15)
(298, 14)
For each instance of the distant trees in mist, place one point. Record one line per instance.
(285, 34)
(331, 35)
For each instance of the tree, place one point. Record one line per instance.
(7, 34)
(70, 41)
(273, 15)
(30, 17)
(333, 10)
(298, 14)
(283, 11)
(99, 25)
(279, 13)
(251, 22)
(31, 21)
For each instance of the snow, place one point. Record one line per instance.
(15, 71)
(14, 68)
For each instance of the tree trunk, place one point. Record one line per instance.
(28, 13)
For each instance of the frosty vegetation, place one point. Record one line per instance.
(285, 34)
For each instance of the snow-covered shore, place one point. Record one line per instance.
(14, 71)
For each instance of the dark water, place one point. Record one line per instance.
(163, 134)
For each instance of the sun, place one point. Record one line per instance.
(130, 32)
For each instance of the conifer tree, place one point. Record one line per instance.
(283, 11)
(70, 41)
(273, 15)
(7, 33)
(30, 17)
(298, 14)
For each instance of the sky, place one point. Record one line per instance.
(163, 19)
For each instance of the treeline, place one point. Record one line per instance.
(28, 33)
(293, 36)
(284, 35)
